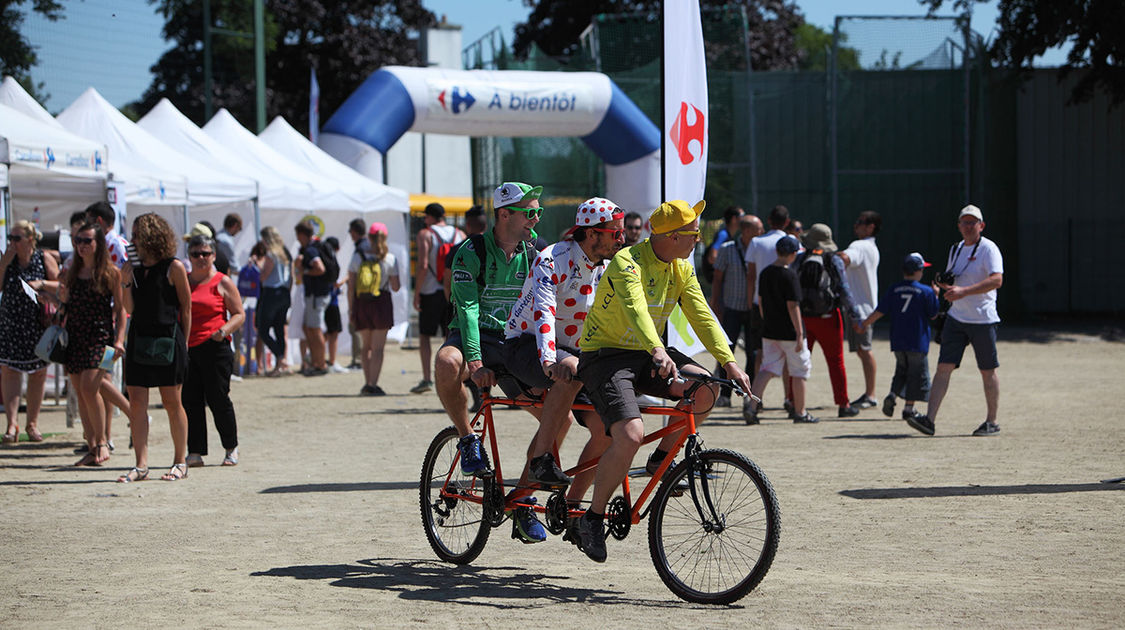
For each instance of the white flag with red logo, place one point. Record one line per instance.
(685, 102)
(685, 128)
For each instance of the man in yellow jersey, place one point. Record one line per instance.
(623, 355)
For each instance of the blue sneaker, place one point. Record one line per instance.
(472, 459)
(525, 527)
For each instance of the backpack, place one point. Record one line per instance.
(331, 265)
(444, 250)
(819, 287)
(369, 279)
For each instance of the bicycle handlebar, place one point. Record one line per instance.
(707, 378)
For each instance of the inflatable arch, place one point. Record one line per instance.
(511, 103)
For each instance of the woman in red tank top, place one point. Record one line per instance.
(216, 312)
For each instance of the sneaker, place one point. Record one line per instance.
(234, 378)
(889, 406)
(526, 528)
(591, 537)
(377, 391)
(750, 411)
(422, 387)
(472, 460)
(806, 418)
(848, 411)
(910, 413)
(863, 402)
(194, 460)
(921, 423)
(722, 401)
(546, 472)
(987, 428)
(112, 448)
(315, 372)
(367, 390)
(338, 369)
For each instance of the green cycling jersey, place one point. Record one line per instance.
(483, 298)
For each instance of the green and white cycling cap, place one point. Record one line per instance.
(510, 193)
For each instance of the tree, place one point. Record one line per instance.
(345, 41)
(814, 46)
(17, 55)
(1093, 29)
(555, 26)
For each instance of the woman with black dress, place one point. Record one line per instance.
(159, 299)
(21, 326)
(95, 321)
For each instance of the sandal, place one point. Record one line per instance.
(175, 473)
(10, 438)
(134, 474)
(232, 457)
(34, 435)
(88, 459)
(98, 460)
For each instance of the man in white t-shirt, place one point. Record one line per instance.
(977, 268)
(861, 262)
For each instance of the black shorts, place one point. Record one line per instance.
(521, 358)
(615, 377)
(432, 315)
(491, 355)
(332, 323)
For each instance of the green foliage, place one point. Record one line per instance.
(815, 47)
(345, 41)
(17, 55)
(556, 25)
(1093, 30)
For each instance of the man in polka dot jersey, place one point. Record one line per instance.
(543, 333)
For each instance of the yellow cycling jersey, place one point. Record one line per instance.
(635, 298)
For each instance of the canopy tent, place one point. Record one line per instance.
(381, 203)
(49, 168)
(13, 95)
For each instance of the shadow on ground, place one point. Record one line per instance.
(977, 491)
(494, 587)
(370, 486)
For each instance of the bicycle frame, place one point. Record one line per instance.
(483, 423)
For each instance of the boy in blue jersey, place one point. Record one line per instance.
(911, 305)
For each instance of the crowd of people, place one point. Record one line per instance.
(582, 319)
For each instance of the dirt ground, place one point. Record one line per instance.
(319, 524)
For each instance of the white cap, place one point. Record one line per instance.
(972, 211)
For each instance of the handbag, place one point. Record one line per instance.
(52, 345)
(158, 351)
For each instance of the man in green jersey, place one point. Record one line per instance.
(488, 273)
(623, 354)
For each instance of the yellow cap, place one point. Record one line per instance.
(673, 215)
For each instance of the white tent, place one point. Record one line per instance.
(13, 95)
(49, 168)
(93, 116)
(381, 203)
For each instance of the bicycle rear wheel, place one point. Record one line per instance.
(714, 557)
(451, 502)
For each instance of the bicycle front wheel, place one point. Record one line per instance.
(452, 503)
(713, 545)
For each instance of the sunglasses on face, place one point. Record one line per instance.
(15, 238)
(690, 233)
(83, 240)
(200, 254)
(532, 213)
(617, 234)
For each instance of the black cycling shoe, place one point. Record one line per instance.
(591, 537)
(545, 472)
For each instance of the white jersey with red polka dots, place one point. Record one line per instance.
(555, 299)
(115, 245)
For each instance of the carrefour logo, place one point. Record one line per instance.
(458, 101)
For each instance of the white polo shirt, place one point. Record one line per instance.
(762, 252)
(973, 264)
(863, 276)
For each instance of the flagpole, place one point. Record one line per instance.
(663, 119)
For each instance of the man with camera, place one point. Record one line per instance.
(973, 272)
